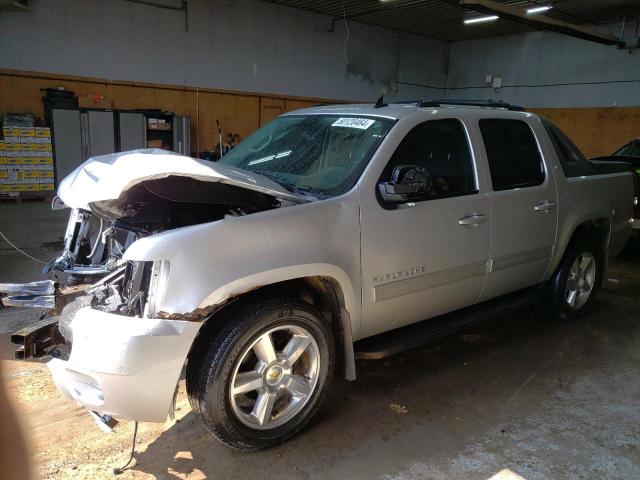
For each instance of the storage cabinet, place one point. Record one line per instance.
(78, 134)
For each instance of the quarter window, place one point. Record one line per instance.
(572, 161)
(512, 152)
(442, 149)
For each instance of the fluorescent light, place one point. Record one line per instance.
(540, 9)
(489, 18)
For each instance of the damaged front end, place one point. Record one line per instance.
(116, 200)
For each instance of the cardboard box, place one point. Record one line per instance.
(154, 144)
(43, 132)
(26, 131)
(13, 147)
(159, 126)
(94, 101)
(43, 135)
(32, 187)
(46, 186)
(11, 134)
(44, 147)
(15, 174)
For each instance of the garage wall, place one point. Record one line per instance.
(225, 47)
(544, 69)
(237, 112)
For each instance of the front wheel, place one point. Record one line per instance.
(577, 280)
(264, 375)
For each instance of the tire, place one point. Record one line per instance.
(581, 272)
(273, 398)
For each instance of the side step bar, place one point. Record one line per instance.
(405, 338)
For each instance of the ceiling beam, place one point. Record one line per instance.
(519, 15)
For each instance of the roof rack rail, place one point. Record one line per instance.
(471, 103)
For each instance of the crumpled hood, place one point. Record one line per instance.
(105, 177)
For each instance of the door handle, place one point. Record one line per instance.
(472, 219)
(544, 206)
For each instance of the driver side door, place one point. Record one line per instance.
(425, 255)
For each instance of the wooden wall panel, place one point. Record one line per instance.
(270, 108)
(596, 131)
(238, 112)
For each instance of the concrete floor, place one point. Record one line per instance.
(521, 394)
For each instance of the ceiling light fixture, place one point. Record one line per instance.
(540, 9)
(489, 18)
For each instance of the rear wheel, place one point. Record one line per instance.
(577, 280)
(264, 375)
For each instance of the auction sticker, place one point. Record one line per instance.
(361, 123)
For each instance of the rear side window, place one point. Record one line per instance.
(512, 151)
(631, 149)
(441, 147)
(572, 161)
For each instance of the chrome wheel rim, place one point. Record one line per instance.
(580, 280)
(275, 377)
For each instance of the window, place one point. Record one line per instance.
(572, 161)
(323, 155)
(514, 158)
(631, 149)
(442, 149)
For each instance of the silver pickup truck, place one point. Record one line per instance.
(332, 233)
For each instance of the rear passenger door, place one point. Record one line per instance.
(523, 206)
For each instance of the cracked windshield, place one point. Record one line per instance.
(321, 155)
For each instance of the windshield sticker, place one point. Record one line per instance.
(361, 123)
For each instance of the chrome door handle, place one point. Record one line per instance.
(544, 206)
(472, 219)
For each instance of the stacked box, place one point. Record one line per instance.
(26, 160)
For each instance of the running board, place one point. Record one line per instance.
(405, 338)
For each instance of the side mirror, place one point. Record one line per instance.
(407, 181)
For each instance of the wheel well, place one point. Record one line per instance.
(324, 293)
(592, 230)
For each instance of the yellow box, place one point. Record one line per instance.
(29, 147)
(44, 147)
(14, 147)
(45, 186)
(26, 131)
(43, 132)
(4, 174)
(4, 160)
(11, 131)
(3, 146)
(32, 187)
(31, 174)
(46, 173)
(45, 160)
(4, 188)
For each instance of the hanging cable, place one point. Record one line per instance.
(346, 40)
(22, 251)
(119, 470)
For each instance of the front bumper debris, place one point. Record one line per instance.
(122, 366)
(35, 294)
